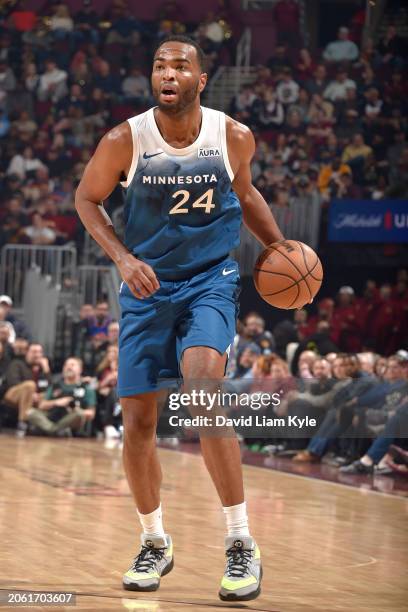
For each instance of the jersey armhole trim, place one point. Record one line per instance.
(135, 155)
(223, 131)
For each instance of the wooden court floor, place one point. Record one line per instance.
(67, 523)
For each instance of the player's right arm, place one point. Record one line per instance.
(110, 161)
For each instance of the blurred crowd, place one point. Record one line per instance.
(65, 79)
(333, 123)
(329, 367)
(80, 400)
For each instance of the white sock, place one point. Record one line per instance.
(384, 462)
(367, 461)
(152, 523)
(237, 519)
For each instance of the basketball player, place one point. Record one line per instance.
(186, 174)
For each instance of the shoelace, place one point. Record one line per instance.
(147, 558)
(237, 562)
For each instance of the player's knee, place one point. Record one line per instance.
(202, 363)
(139, 419)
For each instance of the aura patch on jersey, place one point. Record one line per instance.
(211, 152)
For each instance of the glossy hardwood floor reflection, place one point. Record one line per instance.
(67, 523)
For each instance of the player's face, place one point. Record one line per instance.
(177, 79)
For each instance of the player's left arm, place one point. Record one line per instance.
(257, 215)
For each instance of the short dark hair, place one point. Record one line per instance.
(187, 41)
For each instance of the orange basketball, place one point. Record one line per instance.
(288, 274)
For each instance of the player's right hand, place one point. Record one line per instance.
(139, 276)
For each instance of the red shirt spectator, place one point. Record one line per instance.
(346, 331)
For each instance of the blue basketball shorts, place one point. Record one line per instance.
(155, 331)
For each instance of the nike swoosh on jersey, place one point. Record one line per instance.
(226, 272)
(146, 156)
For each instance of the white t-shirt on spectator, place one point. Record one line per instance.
(287, 92)
(54, 77)
(40, 233)
(338, 91)
(61, 23)
(135, 86)
(373, 108)
(19, 165)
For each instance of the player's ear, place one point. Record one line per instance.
(203, 81)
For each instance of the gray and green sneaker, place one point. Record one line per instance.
(243, 573)
(154, 561)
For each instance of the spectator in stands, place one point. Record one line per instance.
(387, 323)
(25, 164)
(68, 404)
(341, 50)
(267, 110)
(80, 329)
(254, 332)
(305, 67)
(374, 104)
(124, 29)
(389, 402)
(246, 359)
(108, 413)
(113, 334)
(20, 348)
(99, 322)
(53, 83)
(242, 103)
(61, 22)
(346, 331)
(337, 89)
(376, 459)
(7, 83)
(25, 125)
(86, 23)
(312, 399)
(4, 363)
(7, 334)
(331, 172)
(39, 231)
(13, 219)
(320, 117)
(395, 150)
(287, 331)
(367, 362)
(319, 342)
(304, 363)
(136, 87)
(26, 381)
(356, 155)
(342, 187)
(19, 326)
(391, 47)
(317, 84)
(287, 90)
(345, 367)
(31, 77)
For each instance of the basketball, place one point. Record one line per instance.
(288, 274)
